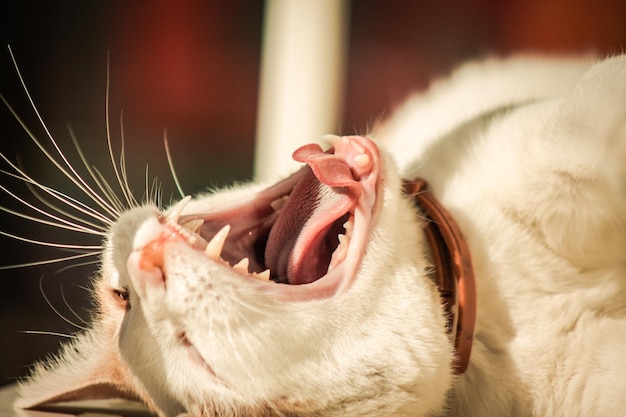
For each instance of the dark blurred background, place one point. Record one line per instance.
(192, 67)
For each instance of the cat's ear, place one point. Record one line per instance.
(86, 368)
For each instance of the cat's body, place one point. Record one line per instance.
(529, 157)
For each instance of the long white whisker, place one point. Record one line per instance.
(147, 182)
(108, 190)
(152, 192)
(52, 244)
(108, 135)
(155, 193)
(130, 198)
(48, 261)
(76, 265)
(48, 333)
(55, 309)
(69, 307)
(107, 193)
(86, 190)
(65, 199)
(74, 228)
(171, 165)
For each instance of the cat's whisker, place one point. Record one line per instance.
(49, 333)
(73, 228)
(108, 190)
(154, 194)
(118, 175)
(57, 312)
(128, 194)
(69, 307)
(79, 206)
(96, 177)
(53, 244)
(69, 201)
(79, 264)
(49, 261)
(86, 227)
(75, 178)
(171, 165)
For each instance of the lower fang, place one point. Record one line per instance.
(349, 226)
(242, 266)
(339, 255)
(265, 275)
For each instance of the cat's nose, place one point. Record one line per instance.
(145, 260)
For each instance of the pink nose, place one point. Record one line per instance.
(146, 264)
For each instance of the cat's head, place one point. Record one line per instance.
(346, 322)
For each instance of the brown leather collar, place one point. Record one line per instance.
(453, 270)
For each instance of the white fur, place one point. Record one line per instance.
(529, 156)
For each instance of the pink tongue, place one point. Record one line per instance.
(296, 246)
(327, 167)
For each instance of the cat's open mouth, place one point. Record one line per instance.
(311, 228)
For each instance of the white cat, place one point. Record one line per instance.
(528, 157)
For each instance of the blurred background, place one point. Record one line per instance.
(192, 67)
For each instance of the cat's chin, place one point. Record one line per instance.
(301, 239)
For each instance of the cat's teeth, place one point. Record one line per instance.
(173, 214)
(242, 266)
(265, 275)
(339, 255)
(279, 203)
(349, 226)
(362, 160)
(194, 225)
(214, 247)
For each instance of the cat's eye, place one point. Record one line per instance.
(121, 294)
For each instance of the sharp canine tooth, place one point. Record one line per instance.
(339, 255)
(349, 226)
(173, 214)
(194, 225)
(215, 246)
(242, 265)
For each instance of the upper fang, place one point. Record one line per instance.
(173, 214)
(242, 265)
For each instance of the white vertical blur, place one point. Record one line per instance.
(301, 86)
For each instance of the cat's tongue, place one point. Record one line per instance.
(301, 242)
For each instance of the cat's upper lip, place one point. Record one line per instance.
(311, 228)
